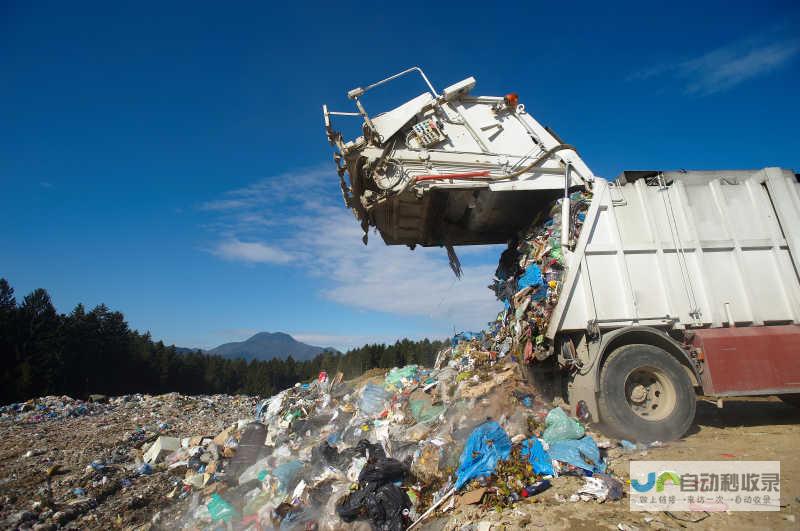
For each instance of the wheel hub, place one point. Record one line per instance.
(650, 393)
(639, 394)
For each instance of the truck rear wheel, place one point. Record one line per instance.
(645, 394)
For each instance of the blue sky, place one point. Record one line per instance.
(168, 159)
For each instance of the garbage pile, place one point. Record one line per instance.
(384, 451)
(47, 408)
(389, 450)
(529, 278)
(101, 463)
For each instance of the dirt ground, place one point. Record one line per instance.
(753, 429)
(746, 429)
(125, 498)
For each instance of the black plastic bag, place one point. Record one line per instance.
(377, 497)
(331, 456)
(382, 470)
(387, 508)
(353, 506)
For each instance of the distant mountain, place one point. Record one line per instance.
(266, 346)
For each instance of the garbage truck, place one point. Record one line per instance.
(679, 283)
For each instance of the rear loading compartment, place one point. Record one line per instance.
(449, 168)
(459, 217)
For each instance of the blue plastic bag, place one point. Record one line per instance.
(487, 445)
(538, 457)
(465, 336)
(582, 453)
(531, 277)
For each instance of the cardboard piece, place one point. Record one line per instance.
(472, 497)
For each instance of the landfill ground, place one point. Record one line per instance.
(744, 429)
(113, 435)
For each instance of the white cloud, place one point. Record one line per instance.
(728, 66)
(252, 252)
(223, 204)
(299, 217)
(396, 280)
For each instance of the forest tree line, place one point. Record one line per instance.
(95, 351)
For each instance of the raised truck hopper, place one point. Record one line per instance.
(449, 168)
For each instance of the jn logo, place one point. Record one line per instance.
(659, 483)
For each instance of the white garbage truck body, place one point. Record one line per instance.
(686, 249)
(700, 265)
(680, 282)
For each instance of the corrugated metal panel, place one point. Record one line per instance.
(687, 250)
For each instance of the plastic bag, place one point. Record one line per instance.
(559, 427)
(287, 472)
(487, 444)
(219, 509)
(351, 506)
(615, 486)
(386, 507)
(377, 497)
(424, 411)
(250, 447)
(254, 471)
(582, 453)
(594, 487)
(540, 460)
(373, 399)
(330, 455)
(254, 504)
(531, 277)
(602, 487)
(465, 336)
(516, 424)
(397, 376)
(382, 470)
(355, 468)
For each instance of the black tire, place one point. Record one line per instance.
(641, 420)
(792, 400)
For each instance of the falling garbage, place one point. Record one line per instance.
(530, 275)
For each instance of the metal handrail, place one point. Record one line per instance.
(358, 91)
